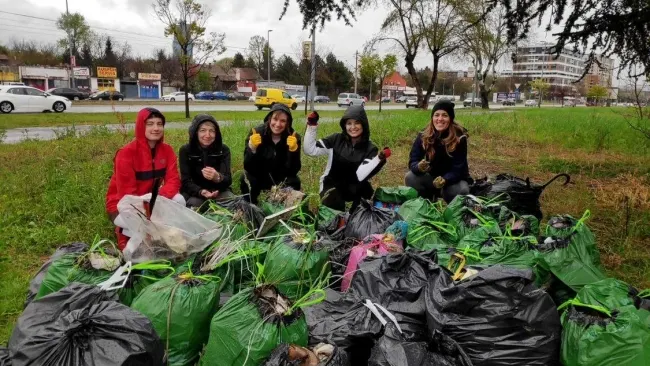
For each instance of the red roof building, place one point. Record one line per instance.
(394, 83)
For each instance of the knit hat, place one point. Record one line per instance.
(445, 105)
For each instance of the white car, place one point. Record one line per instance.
(530, 103)
(411, 102)
(350, 99)
(177, 96)
(27, 99)
(251, 98)
(299, 98)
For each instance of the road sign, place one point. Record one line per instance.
(306, 50)
(73, 61)
(517, 86)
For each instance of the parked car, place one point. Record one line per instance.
(177, 96)
(468, 102)
(237, 96)
(321, 99)
(411, 102)
(267, 97)
(251, 98)
(107, 95)
(298, 98)
(401, 99)
(219, 95)
(509, 101)
(72, 94)
(384, 100)
(350, 99)
(530, 103)
(27, 99)
(204, 95)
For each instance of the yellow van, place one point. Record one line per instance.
(267, 97)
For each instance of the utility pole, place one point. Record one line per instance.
(313, 68)
(268, 55)
(70, 47)
(356, 70)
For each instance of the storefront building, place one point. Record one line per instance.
(106, 79)
(44, 78)
(149, 86)
(81, 78)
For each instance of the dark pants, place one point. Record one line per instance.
(424, 185)
(258, 184)
(193, 201)
(336, 197)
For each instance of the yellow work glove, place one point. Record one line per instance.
(255, 140)
(423, 166)
(439, 182)
(292, 142)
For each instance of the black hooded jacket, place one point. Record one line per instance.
(345, 159)
(193, 158)
(271, 160)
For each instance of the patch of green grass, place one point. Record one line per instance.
(53, 192)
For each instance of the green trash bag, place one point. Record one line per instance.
(396, 195)
(611, 294)
(567, 227)
(426, 235)
(295, 263)
(247, 329)
(491, 247)
(568, 261)
(180, 309)
(420, 208)
(269, 208)
(326, 215)
(594, 336)
(469, 213)
(143, 275)
(517, 225)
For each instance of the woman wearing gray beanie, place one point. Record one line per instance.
(438, 160)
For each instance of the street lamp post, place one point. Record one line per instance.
(71, 80)
(268, 54)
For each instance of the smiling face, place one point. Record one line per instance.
(278, 123)
(354, 128)
(207, 134)
(154, 129)
(440, 120)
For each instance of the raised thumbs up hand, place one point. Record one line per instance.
(255, 140)
(292, 142)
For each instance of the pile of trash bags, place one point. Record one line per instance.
(399, 281)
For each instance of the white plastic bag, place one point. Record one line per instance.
(173, 232)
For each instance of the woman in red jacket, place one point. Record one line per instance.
(140, 164)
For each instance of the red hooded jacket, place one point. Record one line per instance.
(136, 166)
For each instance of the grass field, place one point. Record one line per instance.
(53, 192)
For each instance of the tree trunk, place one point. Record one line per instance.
(185, 86)
(432, 83)
(414, 76)
(485, 104)
(381, 93)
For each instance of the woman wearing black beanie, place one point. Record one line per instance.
(438, 160)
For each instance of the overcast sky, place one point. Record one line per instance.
(239, 19)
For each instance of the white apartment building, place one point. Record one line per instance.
(537, 62)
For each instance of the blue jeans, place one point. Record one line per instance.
(424, 185)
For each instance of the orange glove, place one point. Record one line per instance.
(439, 182)
(255, 140)
(292, 142)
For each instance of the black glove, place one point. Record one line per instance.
(312, 119)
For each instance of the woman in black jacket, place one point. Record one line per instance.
(272, 154)
(438, 160)
(352, 159)
(205, 163)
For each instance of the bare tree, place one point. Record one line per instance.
(441, 27)
(485, 40)
(256, 49)
(187, 24)
(402, 26)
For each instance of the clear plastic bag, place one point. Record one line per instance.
(173, 232)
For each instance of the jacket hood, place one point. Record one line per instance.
(285, 109)
(141, 119)
(194, 132)
(358, 113)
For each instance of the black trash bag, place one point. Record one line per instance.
(339, 256)
(335, 229)
(398, 283)
(5, 358)
(521, 195)
(84, 325)
(368, 220)
(243, 211)
(291, 355)
(392, 350)
(344, 321)
(35, 283)
(498, 316)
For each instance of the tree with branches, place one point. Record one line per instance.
(186, 22)
(77, 30)
(541, 87)
(255, 52)
(316, 12)
(377, 67)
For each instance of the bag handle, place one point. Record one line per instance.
(373, 308)
(567, 179)
(113, 283)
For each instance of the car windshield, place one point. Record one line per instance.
(343, 95)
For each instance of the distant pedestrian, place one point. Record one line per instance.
(271, 155)
(352, 159)
(142, 164)
(438, 160)
(205, 163)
